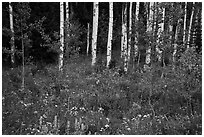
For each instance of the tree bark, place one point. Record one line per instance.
(67, 30)
(195, 30)
(67, 11)
(170, 27)
(125, 38)
(175, 45)
(136, 32)
(61, 35)
(67, 18)
(122, 35)
(149, 31)
(184, 24)
(159, 33)
(12, 35)
(95, 31)
(87, 50)
(110, 33)
(130, 33)
(190, 26)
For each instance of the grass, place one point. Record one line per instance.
(96, 100)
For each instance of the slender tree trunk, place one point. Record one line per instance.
(184, 24)
(195, 29)
(67, 19)
(61, 35)
(95, 31)
(149, 31)
(136, 32)
(67, 11)
(125, 39)
(66, 30)
(12, 34)
(87, 50)
(170, 27)
(155, 21)
(159, 33)
(110, 33)
(170, 31)
(176, 41)
(130, 32)
(177, 31)
(123, 34)
(190, 26)
(55, 122)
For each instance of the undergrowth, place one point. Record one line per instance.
(86, 100)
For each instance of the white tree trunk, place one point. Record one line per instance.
(122, 36)
(149, 30)
(125, 38)
(184, 24)
(190, 26)
(55, 122)
(159, 33)
(175, 43)
(174, 54)
(177, 31)
(110, 33)
(67, 29)
(67, 18)
(170, 31)
(130, 32)
(87, 50)
(67, 11)
(137, 34)
(61, 35)
(95, 31)
(194, 31)
(170, 28)
(155, 17)
(12, 34)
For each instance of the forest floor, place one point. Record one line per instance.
(87, 100)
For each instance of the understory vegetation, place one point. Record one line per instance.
(87, 100)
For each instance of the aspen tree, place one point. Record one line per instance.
(149, 30)
(195, 30)
(61, 35)
(67, 18)
(87, 50)
(123, 34)
(125, 38)
(137, 34)
(159, 33)
(170, 27)
(110, 33)
(95, 31)
(66, 28)
(184, 23)
(155, 21)
(190, 26)
(67, 11)
(12, 34)
(176, 38)
(170, 31)
(130, 32)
